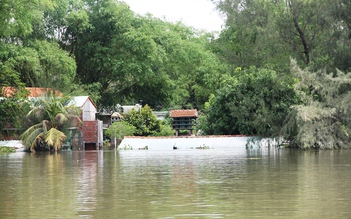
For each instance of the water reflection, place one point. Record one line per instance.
(87, 181)
(231, 183)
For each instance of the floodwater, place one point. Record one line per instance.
(221, 182)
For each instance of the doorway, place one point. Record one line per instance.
(90, 146)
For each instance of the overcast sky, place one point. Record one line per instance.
(200, 14)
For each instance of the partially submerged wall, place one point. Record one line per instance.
(167, 143)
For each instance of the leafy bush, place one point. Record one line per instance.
(144, 121)
(166, 130)
(254, 102)
(12, 112)
(120, 129)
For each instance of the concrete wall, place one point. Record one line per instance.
(184, 143)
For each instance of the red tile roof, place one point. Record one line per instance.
(34, 91)
(183, 113)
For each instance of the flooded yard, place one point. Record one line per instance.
(225, 181)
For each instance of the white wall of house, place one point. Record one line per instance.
(88, 108)
(89, 111)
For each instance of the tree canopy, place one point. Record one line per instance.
(267, 33)
(241, 80)
(253, 102)
(103, 49)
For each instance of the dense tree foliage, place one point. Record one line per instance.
(11, 113)
(254, 101)
(322, 121)
(17, 17)
(144, 121)
(110, 53)
(267, 33)
(140, 58)
(27, 55)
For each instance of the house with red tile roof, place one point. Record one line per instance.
(183, 120)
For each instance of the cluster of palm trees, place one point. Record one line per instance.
(50, 116)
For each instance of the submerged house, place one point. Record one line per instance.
(183, 120)
(88, 135)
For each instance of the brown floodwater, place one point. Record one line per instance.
(220, 182)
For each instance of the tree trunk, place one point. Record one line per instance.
(300, 32)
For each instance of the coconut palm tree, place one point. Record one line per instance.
(53, 112)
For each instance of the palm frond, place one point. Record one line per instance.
(54, 138)
(31, 134)
(36, 140)
(46, 125)
(61, 118)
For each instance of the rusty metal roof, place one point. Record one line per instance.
(33, 91)
(183, 113)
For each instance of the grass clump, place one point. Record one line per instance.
(4, 149)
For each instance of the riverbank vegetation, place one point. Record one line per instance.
(278, 68)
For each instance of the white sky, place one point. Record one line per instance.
(200, 14)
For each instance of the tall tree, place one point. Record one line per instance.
(140, 58)
(340, 43)
(187, 59)
(267, 33)
(9, 76)
(251, 37)
(322, 120)
(28, 49)
(306, 27)
(93, 36)
(56, 68)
